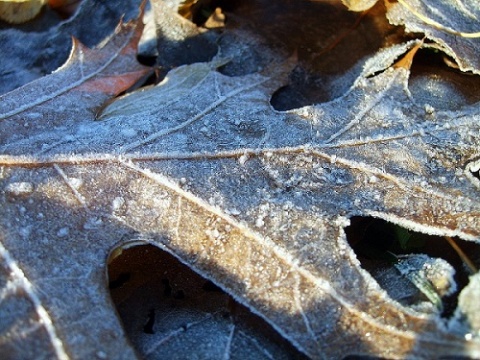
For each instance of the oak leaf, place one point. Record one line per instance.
(451, 25)
(254, 199)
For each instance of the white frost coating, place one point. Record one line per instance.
(470, 169)
(117, 203)
(356, 120)
(468, 305)
(363, 167)
(298, 304)
(101, 355)
(243, 159)
(76, 182)
(72, 187)
(414, 226)
(70, 86)
(42, 313)
(228, 346)
(92, 223)
(63, 232)
(281, 253)
(129, 132)
(187, 122)
(429, 109)
(19, 188)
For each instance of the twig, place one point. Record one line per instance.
(471, 266)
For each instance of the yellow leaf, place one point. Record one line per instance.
(359, 5)
(20, 11)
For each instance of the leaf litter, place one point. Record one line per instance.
(254, 199)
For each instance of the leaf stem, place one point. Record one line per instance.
(471, 266)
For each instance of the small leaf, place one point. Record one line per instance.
(95, 75)
(359, 5)
(433, 277)
(176, 85)
(20, 11)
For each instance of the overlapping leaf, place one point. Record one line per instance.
(452, 25)
(38, 48)
(252, 198)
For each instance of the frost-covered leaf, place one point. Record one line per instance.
(467, 312)
(91, 75)
(253, 199)
(170, 311)
(453, 25)
(41, 46)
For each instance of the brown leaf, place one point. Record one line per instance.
(452, 25)
(93, 75)
(407, 60)
(96, 71)
(254, 199)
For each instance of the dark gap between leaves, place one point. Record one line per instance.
(147, 60)
(328, 39)
(331, 44)
(198, 11)
(474, 169)
(156, 296)
(167, 289)
(119, 281)
(148, 327)
(385, 250)
(210, 286)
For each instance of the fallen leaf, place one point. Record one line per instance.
(39, 47)
(179, 40)
(91, 75)
(254, 199)
(20, 11)
(407, 60)
(452, 25)
(359, 5)
(147, 284)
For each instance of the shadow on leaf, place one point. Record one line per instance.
(166, 308)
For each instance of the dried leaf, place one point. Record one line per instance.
(40, 47)
(407, 60)
(216, 20)
(359, 5)
(149, 283)
(448, 23)
(20, 11)
(91, 75)
(254, 199)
